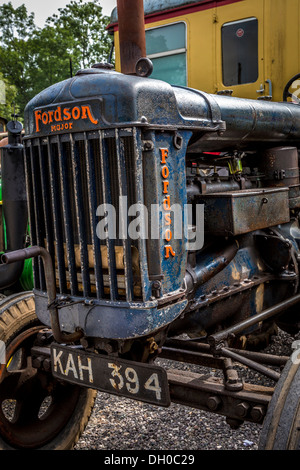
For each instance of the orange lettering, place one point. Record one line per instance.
(168, 218)
(76, 113)
(38, 117)
(168, 235)
(165, 172)
(164, 155)
(51, 116)
(167, 203)
(45, 118)
(67, 114)
(63, 114)
(87, 110)
(169, 250)
(165, 185)
(57, 114)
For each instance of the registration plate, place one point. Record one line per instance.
(144, 382)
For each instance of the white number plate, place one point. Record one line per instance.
(145, 382)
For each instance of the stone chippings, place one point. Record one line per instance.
(124, 424)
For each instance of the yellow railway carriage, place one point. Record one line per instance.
(246, 48)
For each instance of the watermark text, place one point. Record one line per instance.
(159, 222)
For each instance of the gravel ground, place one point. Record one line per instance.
(123, 424)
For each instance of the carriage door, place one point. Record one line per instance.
(240, 50)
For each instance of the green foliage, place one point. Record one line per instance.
(16, 28)
(82, 28)
(10, 94)
(32, 58)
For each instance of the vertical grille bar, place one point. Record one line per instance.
(37, 210)
(57, 216)
(82, 229)
(69, 230)
(43, 161)
(107, 199)
(32, 222)
(91, 174)
(124, 216)
(137, 144)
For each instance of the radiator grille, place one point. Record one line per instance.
(68, 177)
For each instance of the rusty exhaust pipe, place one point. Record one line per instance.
(32, 252)
(131, 34)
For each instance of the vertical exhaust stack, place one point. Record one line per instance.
(14, 201)
(131, 33)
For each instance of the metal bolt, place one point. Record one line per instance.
(37, 362)
(148, 145)
(109, 348)
(47, 364)
(156, 285)
(242, 409)
(84, 342)
(257, 413)
(214, 403)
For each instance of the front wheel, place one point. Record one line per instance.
(281, 427)
(36, 410)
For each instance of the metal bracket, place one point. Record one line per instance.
(268, 97)
(148, 145)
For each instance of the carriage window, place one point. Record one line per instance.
(166, 47)
(240, 52)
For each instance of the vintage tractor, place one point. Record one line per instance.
(164, 223)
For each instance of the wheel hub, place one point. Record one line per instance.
(34, 407)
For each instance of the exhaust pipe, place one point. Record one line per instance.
(131, 34)
(208, 264)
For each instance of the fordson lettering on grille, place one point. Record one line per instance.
(165, 172)
(62, 118)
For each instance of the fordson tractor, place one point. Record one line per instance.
(164, 223)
